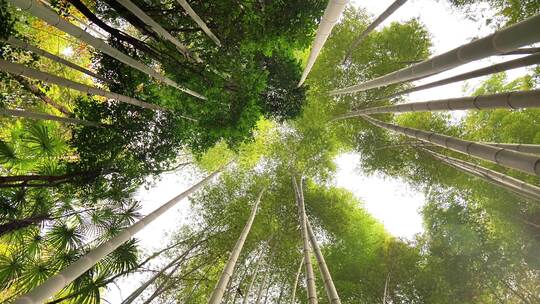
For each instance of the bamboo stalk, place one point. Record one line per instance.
(44, 116)
(185, 5)
(499, 179)
(523, 51)
(329, 19)
(21, 70)
(525, 148)
(217, 294)
(507, 39)
(331, 292)
(496, 68)
(512, 159)
(508, 100)
(310, 277)
(389, 11)
(293, 297)
(37, 9)
(55, 283)
(253, 278)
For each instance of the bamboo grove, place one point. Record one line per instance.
(254, 103)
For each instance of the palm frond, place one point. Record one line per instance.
(41, 142)
(11, 267)
(7, 153)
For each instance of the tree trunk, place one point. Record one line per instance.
(512, 159)
(499, 179)
(55, 283)
(496, 68)
(310, 278)
(39, 94)
(44, 116)
(35, 8)
(52, 180)
(22, 223)
(19, 69)
(217, 294)
(505, 40)
(389, 11)
(185, 5)
(331, 292)
(293, 297)
(329, 19)
(507, 100)
(26, 46)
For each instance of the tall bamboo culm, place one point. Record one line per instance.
(44, 116)
(524, 148)
(54, 284)
(491, 176)
(185, 5)
(37, 9)
(331, 292)
(310, 277)
(508, 100)
(253, 278)
(27, 46)
(496, 68)
(21, 70)
(217, 294)
(329, 19)
(293, 296)
(389, 11)
(507, 39)
(527, 163)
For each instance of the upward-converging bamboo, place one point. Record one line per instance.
(35, 8)
(25, 45)
(389, 11)
(310, 277)
(185, 5)
(19, 69)
(499, 179)
(504, 40)
(508, 100)
(512, 159)
(55, 283)
(496, 68)
(221, 285)
(331, 292)
(44, 116)
(329, 19)
(130, 6)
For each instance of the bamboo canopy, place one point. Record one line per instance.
(44, 116)
(331, 292)
(310, 277)
(509, 100)
(496, 68)
(389, 11)
(37, 9)
(55, 283)
(507, 39)
(185, 5)
(219, 290)
(329, 19)
(25, 45)
(19, 69)
(512, 159)
(499, 179)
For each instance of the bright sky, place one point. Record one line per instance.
(391, 201)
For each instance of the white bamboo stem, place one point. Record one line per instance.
(54, 284)
(492, 176)
(25, 45)
(329, 19)
(310, 277)
(331, 292)
(44, 116)
(293, 297)
(21, 70)
(37, 9)
(508, 100)
(389, 11)
(512, 159)
(199, 21)
(510, 38)
(217, 294)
